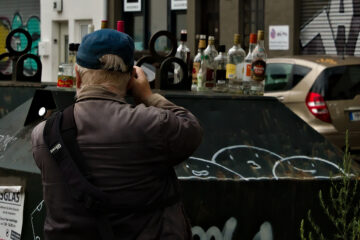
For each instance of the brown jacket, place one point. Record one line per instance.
(125, 147)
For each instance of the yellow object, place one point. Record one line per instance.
(230, 71)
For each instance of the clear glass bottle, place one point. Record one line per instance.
(210, 54)
(201, 76)
(220, 71)
(65, 75)
(247, 65)
(182, 52)
(258, 66)
(235, 64)
(197, 62)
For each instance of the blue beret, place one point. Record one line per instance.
(105, 41)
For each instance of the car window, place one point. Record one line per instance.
(283, 76)
(338, 82)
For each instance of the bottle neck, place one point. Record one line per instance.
(260, 43)
(252, 47)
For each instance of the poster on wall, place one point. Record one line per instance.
(132, 5)
(178, 4)
(11, 212)
(279, 37)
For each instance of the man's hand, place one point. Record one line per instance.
(139, 85)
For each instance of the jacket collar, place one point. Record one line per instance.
(97, 92)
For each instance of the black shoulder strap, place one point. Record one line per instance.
(72, 168)
(60, 153)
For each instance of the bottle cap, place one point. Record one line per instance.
(202, 41)
(120, 26)
(72, 47)
(203, 36)
(222, 48)
(260, 35)
(211, 40)
(77, 45)
(183, 35)
(253, 38)
(236, 38)
(104, 24)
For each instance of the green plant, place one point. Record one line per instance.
(342, 208)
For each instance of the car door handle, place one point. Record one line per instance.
(280, 98)
(352, 109)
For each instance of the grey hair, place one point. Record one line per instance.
(113, 74)
(113, 62)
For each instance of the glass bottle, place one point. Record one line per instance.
(197, 62)
(235, 65)
(182, 52)
(72, 56)
(247, 65)
(210, 54)
(258, 66)
(220, 71)
(201, 75)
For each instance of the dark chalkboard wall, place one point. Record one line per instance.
(258, 164)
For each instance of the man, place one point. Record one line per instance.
(128, 150)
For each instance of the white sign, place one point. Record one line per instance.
(178, 4)
(279, 37)
(11, 212)
(131, 6)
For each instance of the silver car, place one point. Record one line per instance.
(324, 91)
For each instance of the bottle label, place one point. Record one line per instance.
(195, 71)
(258, 70)
(65, 81)
(209, 75)
(247, 72)
(230, 71)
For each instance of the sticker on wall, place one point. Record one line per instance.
(132, 6)
(178, 4)
(11, 212)
(279, 37)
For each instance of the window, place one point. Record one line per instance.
(135, 25)
(81, 29)
(338, 83)
(283, 76)
(253, 18)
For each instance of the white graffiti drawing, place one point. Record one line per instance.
(5, 140)
(230, 160)
(265, 232)
(326, 24)
(37, 209)
(313, 171)
(214, 233)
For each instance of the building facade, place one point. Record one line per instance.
(292, 27)
(64, 22)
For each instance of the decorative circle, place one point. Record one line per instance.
(20, 68)
(184, 84)
(172, 39)
(12, 51)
